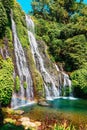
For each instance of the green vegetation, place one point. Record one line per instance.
(10, 126)
(19, 17)
(63, 26)
(17, 83)
(25, 85)
(64, 127)
(3, 19)
(74, 52)
(79, 82)
(6, 81)
(8, 4)
(1, 117)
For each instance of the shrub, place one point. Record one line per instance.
(17, 83)
(19, 18)
(6, 81)
(62, 127)
(3, 19)
(8, 4)
(25, 85)
(10, 126)
(79, 82)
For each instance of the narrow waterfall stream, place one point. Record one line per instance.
(50, 87)
(23, 73)
(66, 81)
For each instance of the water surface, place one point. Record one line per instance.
(74, 110)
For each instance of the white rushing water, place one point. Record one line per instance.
(50, 88)
(64, 80)
(4, 52)
(23, 72)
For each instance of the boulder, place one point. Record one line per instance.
(43, 103)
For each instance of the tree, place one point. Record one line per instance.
(6, 81)
(56, 9)
(74, 53)
(62, 9)
(40, 5)
(8, 4)
(79, 82)
(3, 19)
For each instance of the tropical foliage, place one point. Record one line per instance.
(3, 19)
(6, 81)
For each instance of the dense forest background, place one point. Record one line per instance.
(62, 25)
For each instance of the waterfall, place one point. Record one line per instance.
(50, 87)
(57, 68)
(23, 73)
(48, 96)
(66, 82)
(4, 52)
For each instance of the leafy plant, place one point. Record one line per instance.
(19, 18)
(79, 82)
(8, 4)
(6, 81)
(25, 85)
(64, 127)
(17, 83)
(3, 19)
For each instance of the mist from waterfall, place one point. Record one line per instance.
(23, 72)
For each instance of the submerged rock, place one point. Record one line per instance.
(25, 121)
(19, 112)
(43, 103)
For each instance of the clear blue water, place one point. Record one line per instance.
(74, 110)
(26, 4)
(73, 105)
(70, 105)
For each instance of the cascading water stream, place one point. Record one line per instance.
(50, 87)
(23, 72)
(66, 81)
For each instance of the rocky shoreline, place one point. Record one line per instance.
(17, 118)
